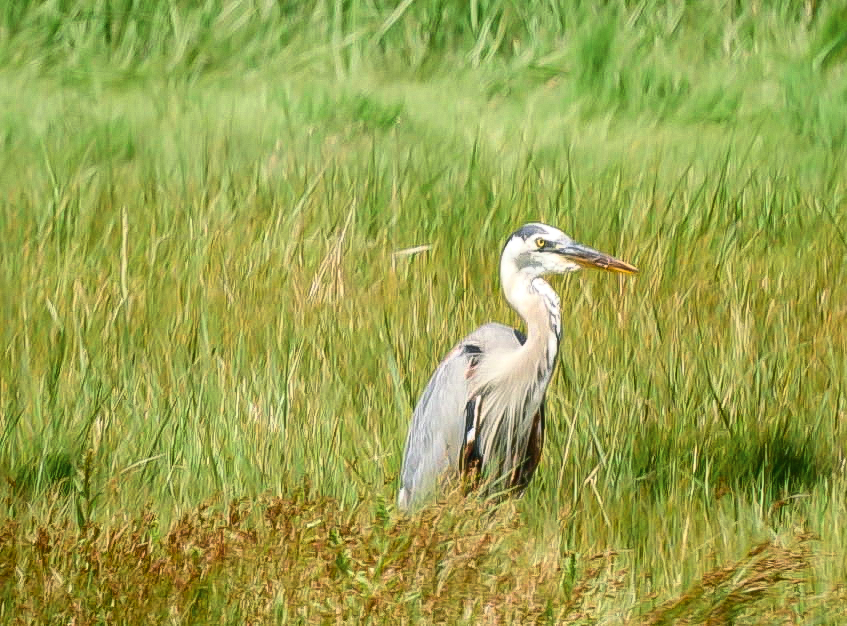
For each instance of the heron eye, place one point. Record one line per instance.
(540, 243)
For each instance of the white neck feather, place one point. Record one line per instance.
(538, 304)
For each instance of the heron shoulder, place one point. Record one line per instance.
(494, 336)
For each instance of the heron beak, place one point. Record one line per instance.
(591, 258)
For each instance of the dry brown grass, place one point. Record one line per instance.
(728, 592)
(305, 558)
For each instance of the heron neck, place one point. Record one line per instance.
(537, 303)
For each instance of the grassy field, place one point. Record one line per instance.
(210, 347)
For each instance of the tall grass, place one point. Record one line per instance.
(211, 346)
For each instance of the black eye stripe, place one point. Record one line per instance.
(528, 230)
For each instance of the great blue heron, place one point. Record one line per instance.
(483, 409)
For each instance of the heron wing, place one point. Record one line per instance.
(438, 428)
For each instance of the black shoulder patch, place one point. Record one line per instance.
(519, 336)
(529, 230)
(474, 353)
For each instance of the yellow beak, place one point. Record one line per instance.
(591, 258)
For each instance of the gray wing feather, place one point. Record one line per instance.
(437, 431)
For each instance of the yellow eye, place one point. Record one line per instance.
(540, 243)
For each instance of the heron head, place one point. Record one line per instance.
(538, 249)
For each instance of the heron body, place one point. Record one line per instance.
(483, 409)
